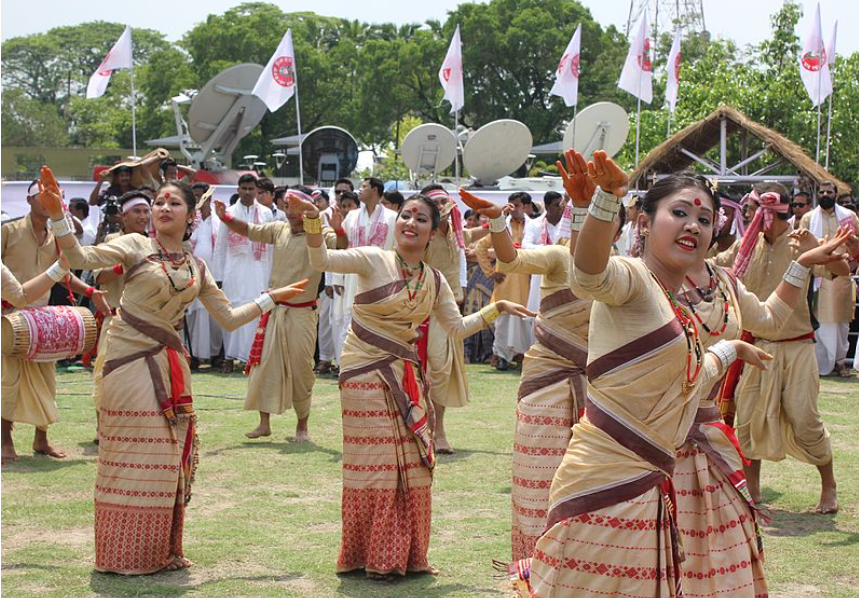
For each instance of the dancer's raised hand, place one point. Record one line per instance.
(578, 185)
(301, 205)
(482, 206)
(49, 194)
(610, 177)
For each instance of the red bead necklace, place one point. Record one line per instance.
(163, 253)
(690, 332)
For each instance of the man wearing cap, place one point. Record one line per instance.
(205, 335)
(280, 365)
(29, 387)
(836, 299)
(243, 265)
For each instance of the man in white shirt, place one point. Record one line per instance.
(543, 230)
(205, 334)
(243, 266)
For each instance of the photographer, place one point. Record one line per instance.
(120, 182)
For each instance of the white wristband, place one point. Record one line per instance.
(56, 272)
(604, 206)
(577, 218)
(726, 352)
(796, 274)
(61, 227)
(265, 302)
(498, 225)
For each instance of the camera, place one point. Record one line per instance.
(111, 206)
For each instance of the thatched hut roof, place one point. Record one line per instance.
(705, 134)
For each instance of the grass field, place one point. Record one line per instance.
(265, 517)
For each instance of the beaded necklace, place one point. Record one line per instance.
(714, 285)
(690, 332)
(162, 253)
(408, 273)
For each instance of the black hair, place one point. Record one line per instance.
(468, 214)
(803, 193)
(321, 193)
(303, 189)
(167, 164)
(432, 187)
(550, 197)
(435, 215)
(621, 216)
(525, 198)
(832, 183)
(123, 168)
(247, 178)
(30, 187)
(187, 194)
(265, 184)
(200, 187)
(280, 191)
(376, 184)
(394, 197)
(344, 181)
(136, 193)
(674, 184)
(84, 205)
(234, 198)
(350, 195)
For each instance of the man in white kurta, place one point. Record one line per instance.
(205, 334)
(836, 298)
(539, 232)
(243, 266)
(369, 225)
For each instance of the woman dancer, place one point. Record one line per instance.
(610, 528)
(715, 513)
(388, 454)
(147, 452)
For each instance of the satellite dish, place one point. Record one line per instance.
(224, 111)
(329, 153)
(496, 150)
(429, 149)
(601, 126)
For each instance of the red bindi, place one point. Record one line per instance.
(697, 202)
(414, 210)
(167, 196)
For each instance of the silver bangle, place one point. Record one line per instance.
(265, 302)
(498, 225)
(61, 227)
(796, 274)
(577, 218)
(726, 352)
(56, 272)
(604, 206)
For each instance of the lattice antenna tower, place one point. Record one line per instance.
(667, 15)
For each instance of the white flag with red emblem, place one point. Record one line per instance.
(567, 78)
(813, 64)
(637, 74)
(276, 83)
(119, 57)
(672, 85)
(450, 74)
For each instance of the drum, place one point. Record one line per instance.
(49, 333)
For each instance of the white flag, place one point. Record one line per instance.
(450, 74)
(277, 82)
(830, 48)
(119, 57)
(567, 78)
(813, 67)
(637, 74)
(673, 68)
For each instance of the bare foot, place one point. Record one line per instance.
(828, 504)
(259, 432)
(9, 453)
(432, 570)
(381, 576)
(46, 448)
(301, 436)
(178, 562)
(442, 447)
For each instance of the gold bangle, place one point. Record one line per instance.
(489, 313)
(313, 226)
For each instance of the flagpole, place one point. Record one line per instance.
(133, 116)
(829, 118)
(668, 133)
(638, 117)
(456, 135)
(575, 112)
(817, 151)
(298, 119)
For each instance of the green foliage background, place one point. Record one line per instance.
(377, 80)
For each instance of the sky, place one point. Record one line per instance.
(744, 21)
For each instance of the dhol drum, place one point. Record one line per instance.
(48, 333)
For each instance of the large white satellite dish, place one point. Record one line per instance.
(221, 114)
(601, 126)
(428, 149)
(497, 149)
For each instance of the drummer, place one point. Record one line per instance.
(28, 387)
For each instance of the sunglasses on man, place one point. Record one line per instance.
(798, 205)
